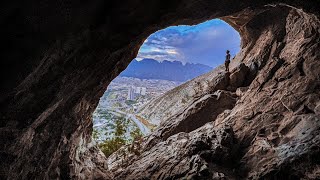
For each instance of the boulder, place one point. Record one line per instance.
(238, 76)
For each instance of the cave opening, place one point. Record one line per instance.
(61, 57)
(166, 60)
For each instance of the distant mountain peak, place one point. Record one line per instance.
(167, 70)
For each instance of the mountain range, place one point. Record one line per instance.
(166, 70)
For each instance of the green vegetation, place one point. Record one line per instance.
(130, 102)
(118, 139)
(112, 145)
(136, 134)
(95, 134)
(117, 104)
(123, 132)
(112, 95)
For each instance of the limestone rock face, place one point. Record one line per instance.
(275, 120)
(194, 116)
(239, 77)
(198, 114)
(59, 58)
(185, 155)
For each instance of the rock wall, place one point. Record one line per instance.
(60, 56)
(274, 122)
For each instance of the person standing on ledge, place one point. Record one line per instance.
(227, 61)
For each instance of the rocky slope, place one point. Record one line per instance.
(59, 58)
(269, 106)
(178, 99)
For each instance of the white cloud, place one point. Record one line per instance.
(204, 44)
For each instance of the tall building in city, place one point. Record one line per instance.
(136, 91)
(143, 91)
(130, 93)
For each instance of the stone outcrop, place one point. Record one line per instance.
(185, 155)
(203, 110)
(238, 77)
(59, 58)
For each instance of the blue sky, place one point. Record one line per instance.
(204, 43)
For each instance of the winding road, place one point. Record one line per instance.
(143, 128)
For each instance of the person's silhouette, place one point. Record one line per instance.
(227, 61)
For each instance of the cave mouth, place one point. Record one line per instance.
(63, 56)
(167, 58)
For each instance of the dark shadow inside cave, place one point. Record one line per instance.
(60, 57)
(133, 105)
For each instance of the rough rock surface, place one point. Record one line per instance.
(185, 155)
(177, 99)
(275, 119)
(203, 110)
(59, 58)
